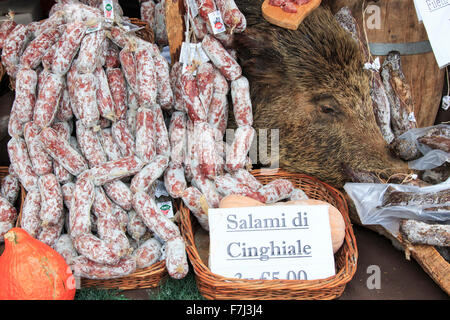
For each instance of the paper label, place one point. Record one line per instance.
(166, 208)
(94, 28)
(191, 56)
(216, 21)
(436, 19)
(108, 10)
(445, 102)
(271, 242)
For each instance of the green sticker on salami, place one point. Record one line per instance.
(108, 7)
(108, 10)
(165, 207)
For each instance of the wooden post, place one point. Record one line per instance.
(175, 27)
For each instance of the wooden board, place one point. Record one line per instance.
(175, 27)
(278, 17)
(398, 24)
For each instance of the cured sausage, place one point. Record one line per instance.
(161, 134)
(105, 101)
(40, 160)
(276, 190)
(123, 138)
(83, 267)
(48, 99)
(237, 155)
(190, 94)
(176, 258)
(149, 174)
(242, 103)
(51, 199)
(177, 136)
(10, 188)
(18, 155)
(80, 209)
(116, 169)
(90, 51)
(90, 145)
(61, 151)
(120, 193)
(30, 220)
(146, 76)
(25, 98)
(62, 174)
(192, 198)
(231, 15)
(145, 134)
(174, 180)
(147, 253)
(220, 57)
(85, 98)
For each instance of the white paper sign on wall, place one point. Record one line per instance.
(435, 15)
(271, 242)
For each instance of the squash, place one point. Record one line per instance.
(235, 200)
(337, 223)
(31, 270)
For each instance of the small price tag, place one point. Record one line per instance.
(94, 28)
(166, 208)
(216, 21)
(108, 10)
(446, 102)
(192, 55)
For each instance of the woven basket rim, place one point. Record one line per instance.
(342, 276)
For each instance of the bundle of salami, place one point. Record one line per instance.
(88, 141)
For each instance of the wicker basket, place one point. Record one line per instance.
(213, 286)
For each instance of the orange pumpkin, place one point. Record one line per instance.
(31, 270)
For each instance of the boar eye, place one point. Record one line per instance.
(327, 109)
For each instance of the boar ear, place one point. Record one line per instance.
(259, 58)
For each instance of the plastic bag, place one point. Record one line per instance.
(377, 204)
(432, 158)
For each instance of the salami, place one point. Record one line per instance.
(192, 198)
(117, 85)
(13, 46)
(112, 59)
(34, 52)
(105, 101)
(62, 174)
(67, 193)
(31, 221)
(176, 258)
(117, 169)
(298, 194)
(129, 67)
(123, 138)
(40, 160)
(49, 233)
(108, 229)
(205, 83)
(220, 57)
(190, 94)
(61, 151)
(164, 90)
(205, 7)
(120, 193)
(161, 133)
(109, 146)
(5, 29)
(208, 189)
(51, 199)
(90, 51)
(65, 248)
(147, 253)
(231, 15)
(276, 190)
(80, 210)
(245, 177)
(25, 98)
(15, 125)
(90, 145)
(145, 206)
(136, 228)
(85, 98)
(242, 103)
(177, 137)
(83, 267)
(96, 249)
(237, 155)
(67, 47)
(48, 99)
(160, 20)
(146, 76)
(64, 112)
(18, 155)
(147, 11)
(227, 185)
(149, 174)
(10, 188)
(175, 76)
(174, 180)
(7, 211)
(145, 134)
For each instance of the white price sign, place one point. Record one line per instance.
(435, 15)
(271, 242)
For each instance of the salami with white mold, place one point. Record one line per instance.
(48, 99)
(176, 258)
(147, 253)
(242, 103)
(18, 155)
(25, 98)
(42, 163)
